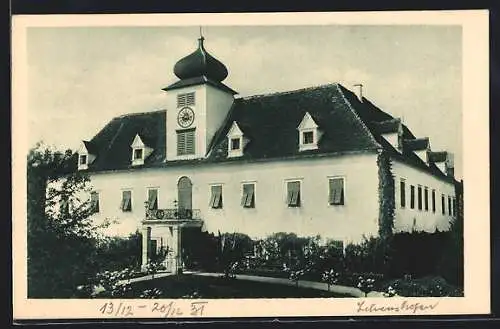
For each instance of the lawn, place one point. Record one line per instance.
(193, 286)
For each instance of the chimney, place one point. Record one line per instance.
(359, 91)
(450, 165)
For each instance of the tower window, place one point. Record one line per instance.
(185, 142)
(186, 99)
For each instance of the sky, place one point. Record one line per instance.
(79, 78)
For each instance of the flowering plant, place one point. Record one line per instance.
(330, 277)
(365, 283)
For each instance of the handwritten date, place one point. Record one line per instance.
(170, 309)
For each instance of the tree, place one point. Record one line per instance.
(62, 239)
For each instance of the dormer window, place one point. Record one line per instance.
(138, 154)
(309, 134)
(236, 141)
(140, 151)
(83, 159)
(235, 144)
(308, 137)
(86, 155)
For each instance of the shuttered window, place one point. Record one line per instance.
(419, 198)
(336, 191)
(94, 202)
(402, 193)
(426, 199)
(433, 200)
(126, 201)
(185, 100)
(185, 142)
(153, 199)
(412, 197)
(443, 208)
(216, 197)
(248, 197)
(293, 194)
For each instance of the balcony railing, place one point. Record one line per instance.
(173, 214)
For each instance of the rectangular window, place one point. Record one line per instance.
(235, 143)
(402, 193)
(94, 201)
(152, 199)
(83, 159)
(307, 137)
(137, 154)
(336, 191)
(443, 208)
(185, 100)
(248, 197)
(454, 206)
(216, 198)
(426, 199)
(293, 194)
(449, 205)
(126, 201)
(433, 200)
(412, 197)
(185, 141)
(419, 197)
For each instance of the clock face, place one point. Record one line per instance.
(185, 118)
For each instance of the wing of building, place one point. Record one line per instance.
(307, 161)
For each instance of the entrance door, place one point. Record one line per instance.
(185, 197)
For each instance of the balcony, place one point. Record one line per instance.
(190, 217)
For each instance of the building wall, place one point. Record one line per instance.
(218, 103)
(271, 214)
(407, 219)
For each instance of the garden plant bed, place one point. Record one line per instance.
(193, 286)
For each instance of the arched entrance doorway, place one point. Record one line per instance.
(185, 195)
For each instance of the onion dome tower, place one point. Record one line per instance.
(200, 67)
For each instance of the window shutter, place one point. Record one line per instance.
(94, 201)
(126, 201)
(216, 199)
(185, 100)
(190, 99)
(336, 191)
(186, 142)
(152, 199)
(293, 197)
(403, 194)
(248, 198)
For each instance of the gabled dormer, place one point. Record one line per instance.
(140, 151)
(392, 131)
(309, 133)
(236, 141)
(420, 146)
(86, 155)
(444, 161)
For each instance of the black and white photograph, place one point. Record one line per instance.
(181, 165)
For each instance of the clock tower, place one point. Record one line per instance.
(197, 104)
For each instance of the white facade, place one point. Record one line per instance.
(408, 219)
(349, 222)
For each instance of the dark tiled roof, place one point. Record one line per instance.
(270, 123)
(112, 143)
(416, 144)
(438, 156)
(91, 148)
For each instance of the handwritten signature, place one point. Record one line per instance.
(170, 309)
(405, 306)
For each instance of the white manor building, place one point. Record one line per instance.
(304, 161)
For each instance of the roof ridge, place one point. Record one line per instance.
(349, 105)
(128, 115)
(287, 92)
